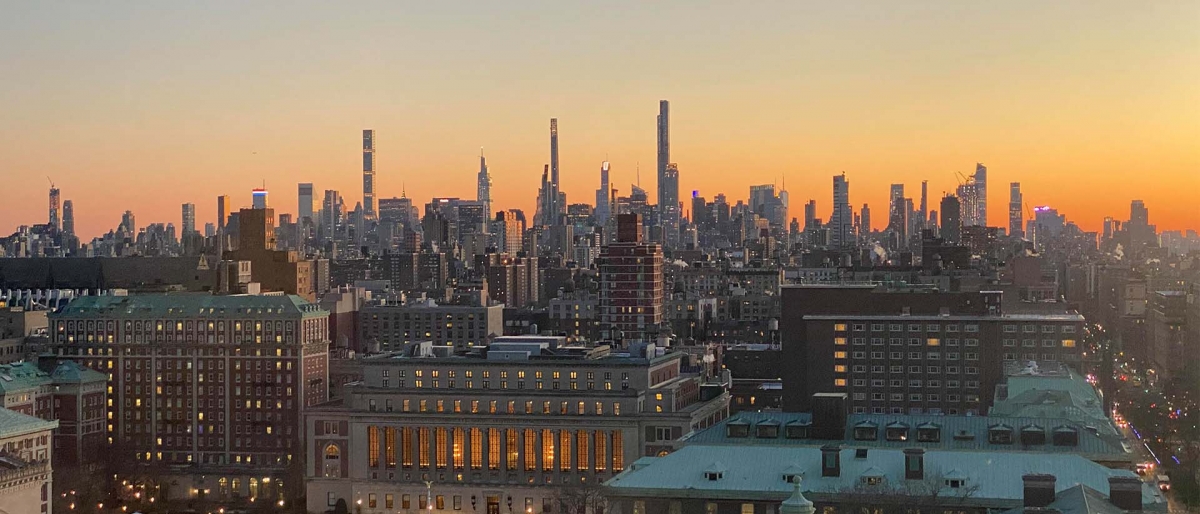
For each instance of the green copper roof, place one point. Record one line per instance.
(13, 423)
(189, 305)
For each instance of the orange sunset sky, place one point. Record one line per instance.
(1088, 104)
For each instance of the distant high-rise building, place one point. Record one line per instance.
(761, 196)
(483, 192)
(68, 218)
(980, 194)
(972, 198)
(864, 223)
(810, 215)
(555, 208)
(1016, 220)
(189, 218)
(369, 173)
(603, 206)
(259, 196)
(210, 229)
(924, 214)
(668, 179)
(669, 193)
(841, 222)
(129, 223)
(664, 151)
(224, 205)
(55, 221)
(898, 213)
(631, 284)
(951, 225)
(304, 209)
(509, 232)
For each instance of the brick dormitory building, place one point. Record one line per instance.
(912, 350)
(208, 388)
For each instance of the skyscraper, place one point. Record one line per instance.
(864, 221)
(483, 191)
(951, 226)
(1016, 220)
(921, 225)
(68, 218)
(55, 221)
(966, 202)
(259, 196)
(669, 192)
(554, 207)
(841, 222)
(189, 218)
(369, 173)
(603, 208)
(980, 194)
(223, 206)
(810, 215)
(898, 214)
(304, 209)
(668, 179)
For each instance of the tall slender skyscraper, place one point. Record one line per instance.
(304, 197)
(55, 221)
(369, 173)
(980, 194)
(603, 209)
(668, 181)
(841, 222)
(223, 207)
(189, 218)
(483, 191)
(554, 183)
(810, 215)
(864, 221)
(68, 218)
(1016, 219)
(921, 225)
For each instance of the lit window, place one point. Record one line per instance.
(933, 341)
(1068, 343)
(839, 327)
(840, 341)
(839, 382)
(839, 368)
(839, 355)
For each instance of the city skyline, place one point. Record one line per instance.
(148, 138)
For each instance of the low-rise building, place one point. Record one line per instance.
(26, 452)
(506, 427)
(390, 326)
(850, 463)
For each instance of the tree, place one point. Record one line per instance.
(581, 499)
(340, 507)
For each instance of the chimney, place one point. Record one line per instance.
(829, 416)
(831, 461)
(914, 464)
(1125, 492)
(1039, 490)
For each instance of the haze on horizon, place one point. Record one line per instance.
(144, 107)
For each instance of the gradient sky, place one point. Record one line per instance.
(145, 106)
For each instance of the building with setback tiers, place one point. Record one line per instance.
(631, 284)
(915, 351)
(210, 387)
(499, 429)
